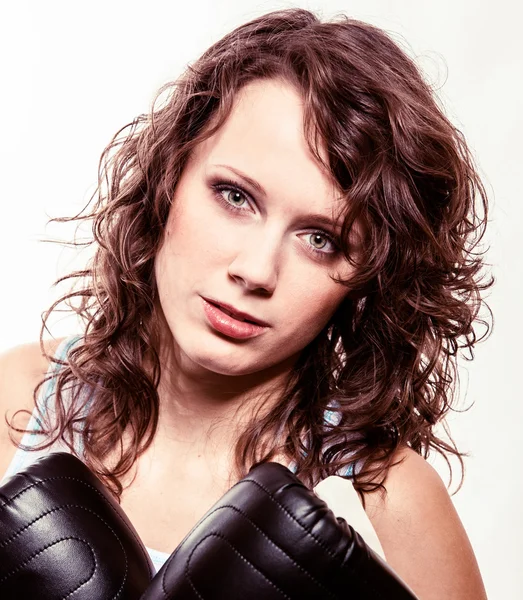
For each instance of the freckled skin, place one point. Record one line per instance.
(258, 259)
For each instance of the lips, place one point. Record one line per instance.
(236, 314)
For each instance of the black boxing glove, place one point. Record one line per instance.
(270, 538)
(62, 535)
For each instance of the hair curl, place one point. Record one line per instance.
(387, 360)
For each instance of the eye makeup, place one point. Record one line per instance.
(223, 184)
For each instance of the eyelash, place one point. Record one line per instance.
(228, 184)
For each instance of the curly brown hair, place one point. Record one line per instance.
(387, 360)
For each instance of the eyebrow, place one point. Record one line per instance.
(252, 182)
(321, 219)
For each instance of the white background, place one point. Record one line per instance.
(72, 73)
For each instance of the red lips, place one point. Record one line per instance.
(237, 314)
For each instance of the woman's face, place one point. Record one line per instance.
(266, 253)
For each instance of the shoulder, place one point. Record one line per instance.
(21, 369)
(421, 533)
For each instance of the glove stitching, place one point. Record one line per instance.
(222, 537)
(62, 507)
(50, 545)
(273, 543)
(284, 508)
(294, 518)
(278, 503)
(92, 487)
(85, 582)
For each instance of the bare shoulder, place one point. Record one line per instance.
(21, 369)
(421, 533)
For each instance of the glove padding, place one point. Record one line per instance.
(270, 538)
(62, 535)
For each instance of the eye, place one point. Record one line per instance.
(238, 200)
(235, 199)
(318, 240)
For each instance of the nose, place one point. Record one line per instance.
(256, 264)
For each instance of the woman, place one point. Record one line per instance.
(285, 270)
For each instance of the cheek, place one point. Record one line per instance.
(307, 317)
(200, 235)
(188, 238)
(310, 309)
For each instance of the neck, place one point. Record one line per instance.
(206, 411)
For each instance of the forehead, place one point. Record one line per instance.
(264, 138)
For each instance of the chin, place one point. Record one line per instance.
(202, 355)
